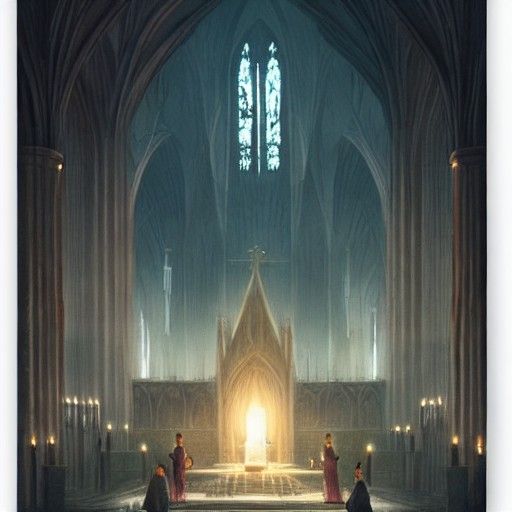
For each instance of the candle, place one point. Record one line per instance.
(455, 451)
(126, 429)
(479, 446)
(98, 418)
(51, 451)
(422, 413)
(369, 450)
(109, 437)
(33, 464)
(143, 453)
(397, 437)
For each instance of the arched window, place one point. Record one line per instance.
(259, 107)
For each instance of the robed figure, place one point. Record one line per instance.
(178, 463)
(157, 495)
(359, 500)
(331, 485)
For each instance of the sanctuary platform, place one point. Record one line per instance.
(229, 487)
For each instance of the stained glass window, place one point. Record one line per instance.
(273, 108)
(245, 110)
(250, 108)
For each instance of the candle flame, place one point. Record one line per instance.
(89, 401)
(423, 402)
(51, 440)
(143, 448)
(75, 400)
(126, 426)
(439, 400)
(407, 428)
(431, 401)
(455, 440)
(397, 428)
(96, 402)
(369, 448)
(68, 401)
(33, 441)
(480, 445)
(109, 427)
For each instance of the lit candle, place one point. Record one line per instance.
(369, 451)
(397, 437)
(75, 412)
(67, 411)
(455, 451)
(33, 464)
(422, 413)
(126, 429)
(143, 453)
(51, 451)
(479, 446)
(97, 406)
(109, 437)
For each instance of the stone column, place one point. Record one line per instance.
(468, 340)
(40, 309)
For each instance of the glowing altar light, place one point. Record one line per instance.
(75, 400)
(143, 448)
(256, 438)
(408, 428)
(33, 441)
(439, 400)
(397, 428)
(68, 400)
(109, 427)
(431, 401)
(90, 402)
(423, 402)
(455, 440)
(96, 402)
(369, 448)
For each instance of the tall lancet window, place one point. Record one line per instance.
(259, 109)
(273, 109)
(245, 110)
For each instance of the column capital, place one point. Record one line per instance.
(470, 156)
(41, 157)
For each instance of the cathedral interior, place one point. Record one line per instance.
(266, 207)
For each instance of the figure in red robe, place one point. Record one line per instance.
(331, 485)
(178, 461)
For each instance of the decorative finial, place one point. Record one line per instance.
(257, 255)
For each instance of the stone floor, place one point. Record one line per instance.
(231, 488)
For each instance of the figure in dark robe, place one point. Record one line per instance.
(359, 500)
(157, 495)
(178, 462)
(331, 485)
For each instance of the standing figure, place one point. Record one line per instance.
(359, 500)
(178, 461)
(157, 495)
(331, 485)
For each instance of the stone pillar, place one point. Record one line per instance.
(40, 309)
(468, 340)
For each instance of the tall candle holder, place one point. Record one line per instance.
(143, 453)
(33, 468)
(369, 451)
(455, 452)
(51, 451)
(127, 430)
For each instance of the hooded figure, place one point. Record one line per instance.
(157, 495)
(359, 500)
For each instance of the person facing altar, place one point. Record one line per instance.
(331, 485)
(359, 500)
